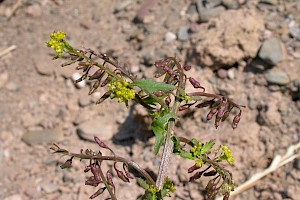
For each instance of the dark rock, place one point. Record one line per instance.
(270, 51)
(42, 136)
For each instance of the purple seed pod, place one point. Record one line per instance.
(225, 115)
(171, 79)
(100, 191)
(109, 179)
(196, 84)
(236, 120)
(159, 73)
(217, 121)
(193, 168)
(92, 181)
(101, 144)
(95, 171)
(128, 174)
(168, 70)
(222, 109)
(211, 113)
(183, 107)
(120, 174)
(187, 67)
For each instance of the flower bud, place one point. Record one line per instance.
(196, 84)
(236, 120)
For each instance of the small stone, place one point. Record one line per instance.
(231, 74)
(75, 77)
(100, 126)
(277, 77)
(270, 51)
(3, 78)
(231, 4)
(14, 197)
(295, 32)
(49, 187)
(222, 73)
(207, 14)
(34, 10)
(169, 37)
(42, 136)
(183, 33)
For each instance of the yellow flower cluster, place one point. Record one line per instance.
(57, 42)
(121, 91)
(227, 154)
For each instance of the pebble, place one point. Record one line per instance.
(42, 136)
(183, 33)
(14, 197)
(207, 14)
(34, 10)
(277, 77)
(169, 37)
(3, 78)
(49, 187)
(222, 73)
(231, 73)
(295, 32)
(231, 4)
(270, 51)
(100, 126)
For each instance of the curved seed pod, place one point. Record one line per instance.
(97, 75)
(106, 81)
(92, 181)
(210, 173)
(95, 170)
(168, 70)
(193, 168)
(109, 179)
(101, 144)
(104, 97)
(100, 191)
(84, 76)
(120, 174)
(222, 109)
(67, 164)
(211, 113)
(217, 121)
(128, 174)
(196, 84)
(205, 103)
(236, 120)
(94, 87)
(196, 176)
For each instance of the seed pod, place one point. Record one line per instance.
(168, 100)
(205, 103)
(196, 84)
(187, 67)
(100, 191)
(106, 81)
(236, 120)
(168, 70)
(183, 107)
(210, 173)
(128, 174)
(217, 121)
(196, 176)
(120, 174)
(193, 168)
(67, 164)
(97, 75)
(94, 87)
(95, 170)
(92, 181)
(101, 144)
(84, 76)
(104, 97)
(159, 73)
(225, 115)
(211, 113)
(222, 109)
(109, 179)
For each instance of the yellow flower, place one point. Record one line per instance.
(57, 42)
(227, 154)
(120, 91)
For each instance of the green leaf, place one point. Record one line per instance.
(207, 146)
(187, 155)
(159, 126)
(142, 183)
(151, 86)
(176, 144)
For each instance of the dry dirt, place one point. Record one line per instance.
(222, 40)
